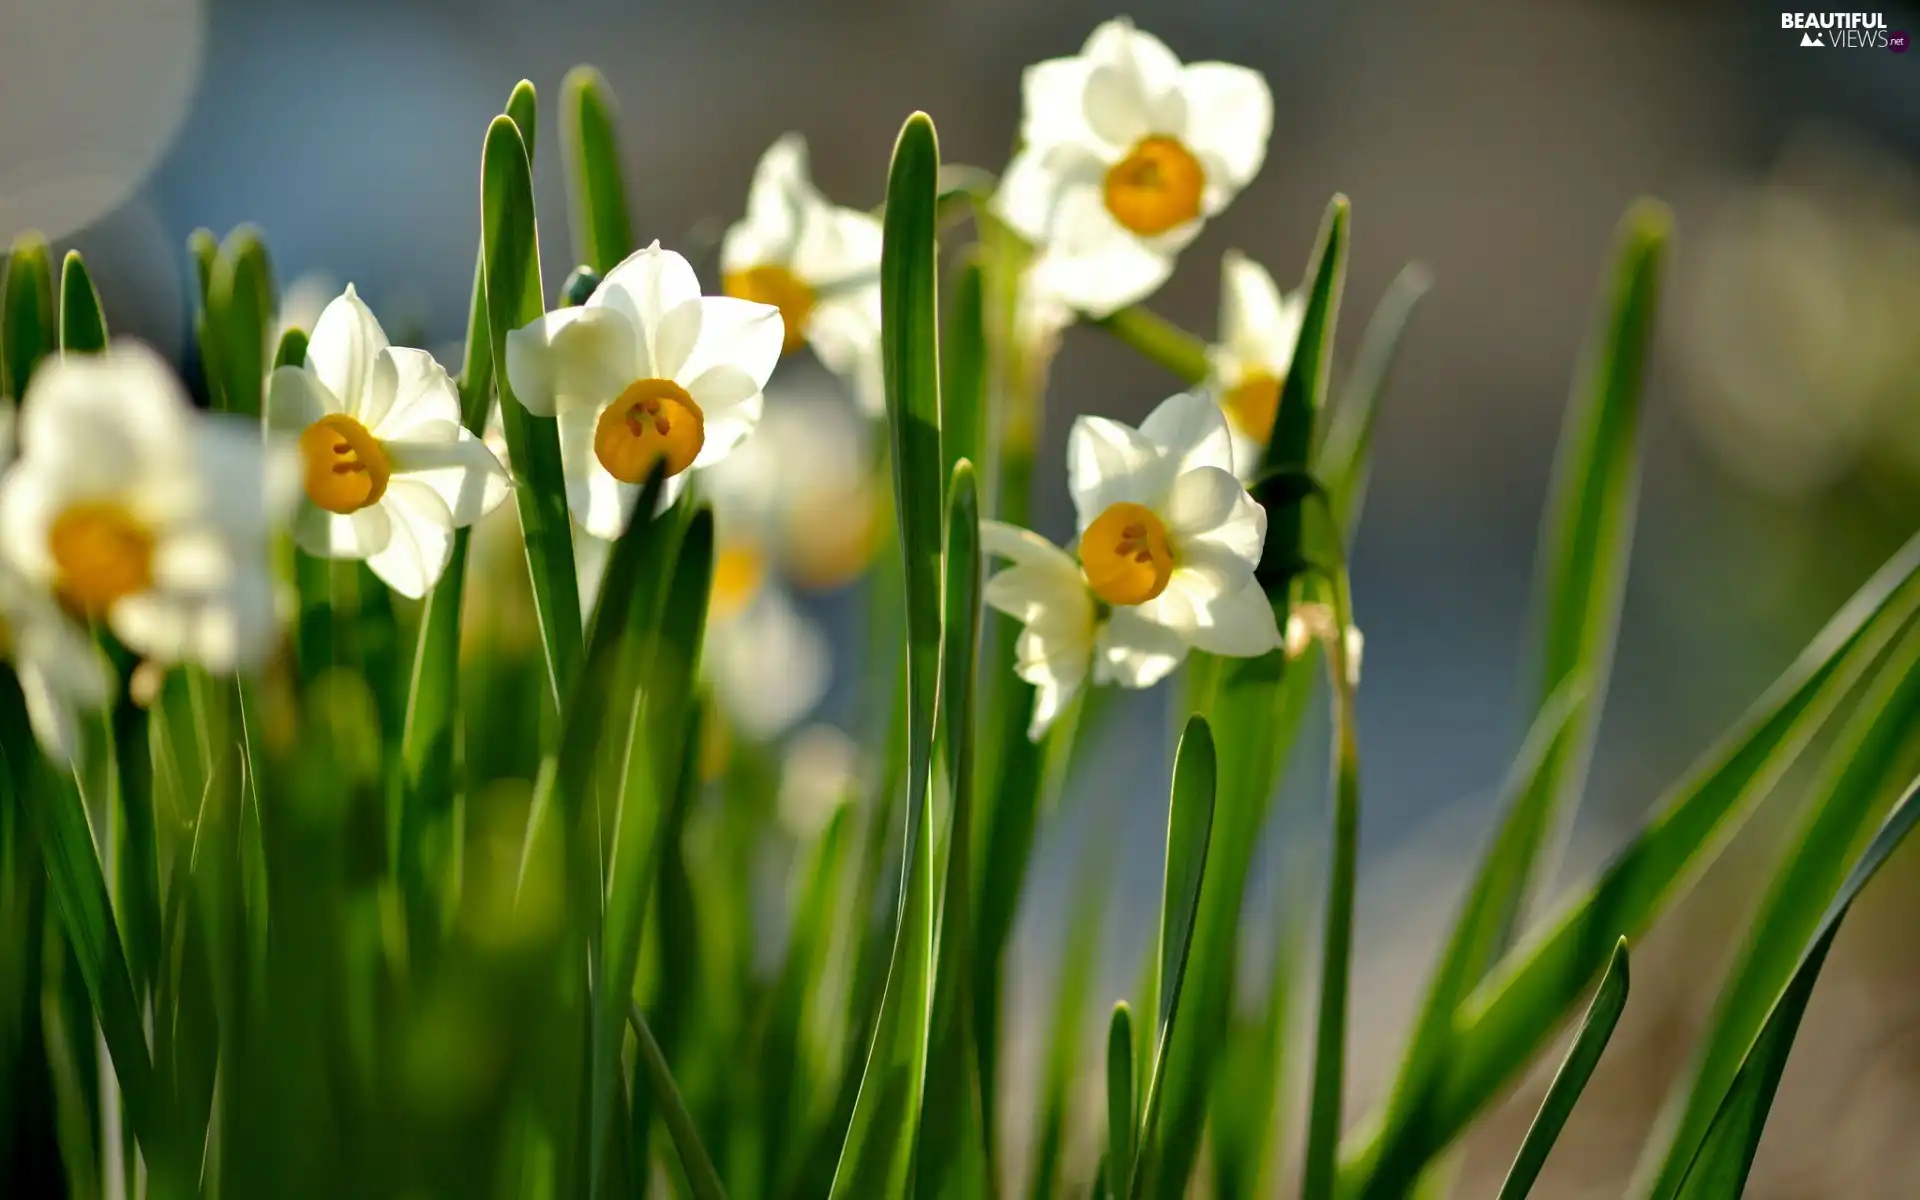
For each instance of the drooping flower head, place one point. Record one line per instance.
(387, 470)
(1125, 153)
(1259, 327)
(1167, 528)
(131, 508)
(818, 263)
(646, 371)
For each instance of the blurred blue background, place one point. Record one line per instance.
(1496, 142)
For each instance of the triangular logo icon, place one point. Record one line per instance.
(1811, 39)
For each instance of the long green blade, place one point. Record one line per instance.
(241, 302)
(953, 1152)
(602, 229)
(1719, 1171)
(702, 1179)
(1122, 1114)
(876, 1158)
(1345, 459)
(963, 381)
(28, 332)
(1512, 1014)
(83, 326)
(1189, 829)
(1588, 1045)
(1865, 770)
(514, 299)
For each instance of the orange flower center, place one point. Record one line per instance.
(1125, 555)
(737, 574)
(781, 288)
(654, 420)
(1252, 404)
(101, 554)
(1156, 187)
(346, 467)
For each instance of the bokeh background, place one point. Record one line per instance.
(1495, 141)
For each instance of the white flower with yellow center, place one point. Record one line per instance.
(818, 263)
(133, 509)
(388, 472)
(61, 672)
(1259, 327)
(1070, 633)
(1125, 153)
(1166, 527)
(646, 371)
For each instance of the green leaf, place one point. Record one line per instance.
(83, 327)
(603, 233)
(1189, 827)
(240, 305)
(876, 1158)
(1588, 1045)
(523, 110)
(656, 729)
(963, 380)
(1064, 1041)
(1254, 711)
(1585, 541)
(1503, 1024)
(1346, 455)
(27, 330)
(1160, 341)
(1719, 1171)
(702, 1179)
(1860, 781)
(1121, 1112)
(514, 300)
(953, 1153)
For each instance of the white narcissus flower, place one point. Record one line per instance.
(646, 371)
(1166, 527)
(61, 671)
(1259, 327)
(818, 263)
(1069, 632)
(134, 509)
(768, 664)
(388, 472)
(1125, 153)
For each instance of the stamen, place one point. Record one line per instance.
(346, 466)
(1156, 187)
(653, 420)
(1125, 555)
(781, 288)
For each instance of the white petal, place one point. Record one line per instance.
(1191, 431)
(725, 332)
(1026, 547)
(1248, 453)
(769, 665)
(1109, 463)
(295, 400)
(344, 350)
(1034, 595)
(95, 423)
(598, 501)
(646, 286)
(1210, 508)
(1055, 661)
(1134, 652)
(776, 201)
(198, 561)
(1091, 263)
(423, 394)
(360, 534)
(837, 247)
(845, 333)
(578, 355)
(1258, 325)
(1029, 192)
(455, 464)
(422, 541)
(1144, 94)
(730, 403)
(29, 501)
(1229, 118)
(1054, 102)
(1220, 613)
(242, 487)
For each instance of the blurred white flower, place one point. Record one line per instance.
(1125, 153)
(1069, 632)
(61, 671)
(646, 371)
(819, 774)
(388, 470)
(768, 664)
(1166, 527)
(1310, 623)
(132, 508)
(818, 263)
(1259, 327)
(802, 486)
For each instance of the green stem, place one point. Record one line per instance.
(1160, 340)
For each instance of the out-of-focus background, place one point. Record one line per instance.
(1497, 142)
